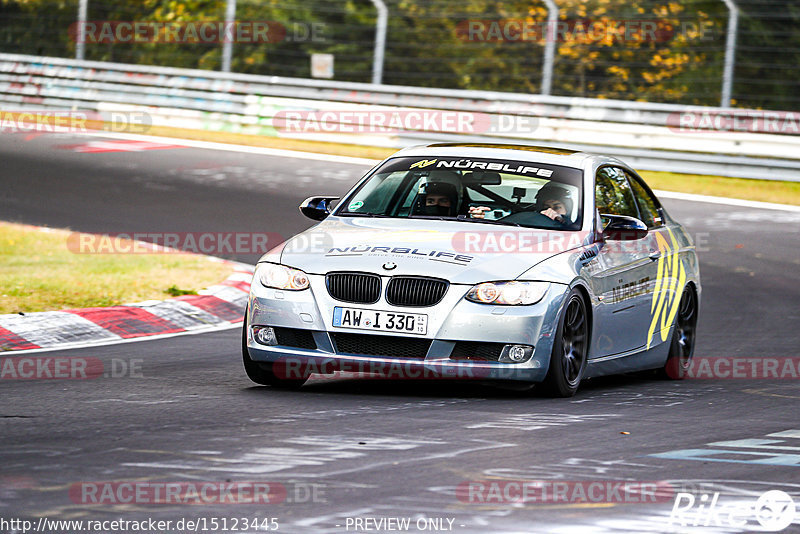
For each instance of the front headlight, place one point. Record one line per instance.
(281, 277)
(508, 293)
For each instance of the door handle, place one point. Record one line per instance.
(655, 254)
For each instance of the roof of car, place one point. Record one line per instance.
(540, 154)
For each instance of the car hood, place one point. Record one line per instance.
(461, 252)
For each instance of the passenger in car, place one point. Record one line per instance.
(553, 200)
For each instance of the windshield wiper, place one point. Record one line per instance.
(431, 217)
(489, 221)
(361, 214)
(460, 219)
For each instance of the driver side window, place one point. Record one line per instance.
(648, 205)
(613, 194)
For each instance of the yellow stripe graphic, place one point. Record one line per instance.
(670, 278)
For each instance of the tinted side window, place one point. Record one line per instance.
(648, 206)
(613, 194)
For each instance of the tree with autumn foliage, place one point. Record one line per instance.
(649, 50)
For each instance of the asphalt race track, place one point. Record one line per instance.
(347, 451)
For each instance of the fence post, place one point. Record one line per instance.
(549, 47)
(227, 41)
(80, 35)
(730, 53)
(380, 41)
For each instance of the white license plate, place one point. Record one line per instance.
(380, 321)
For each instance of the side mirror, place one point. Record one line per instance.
(316, 207)
(623, 228)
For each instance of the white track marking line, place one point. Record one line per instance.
(727, 201)
(371, 162)
(209, 145)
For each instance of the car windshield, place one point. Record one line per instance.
(507, 192)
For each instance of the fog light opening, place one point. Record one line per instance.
(265, 335)
(516, 353)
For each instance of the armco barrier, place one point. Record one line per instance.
(644, 134)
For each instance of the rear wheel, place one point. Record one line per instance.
(262, 372)
(570, 349)
(681, 348)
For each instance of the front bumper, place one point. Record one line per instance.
(451, 321)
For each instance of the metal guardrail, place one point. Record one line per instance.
(642, 133)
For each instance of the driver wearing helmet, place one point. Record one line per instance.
(552, 200)
(438, 195)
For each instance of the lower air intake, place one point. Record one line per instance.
(295, 337)
(386, 346)
(475, 350)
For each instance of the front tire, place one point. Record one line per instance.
(570, 349)
(681, 347)
(261, 372)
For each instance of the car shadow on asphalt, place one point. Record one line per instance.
(460, 388)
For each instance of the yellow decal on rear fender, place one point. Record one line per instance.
(670, 278)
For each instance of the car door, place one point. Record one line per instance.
(624, 278)
(663, 271)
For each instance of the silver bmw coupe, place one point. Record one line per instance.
(521, 264)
